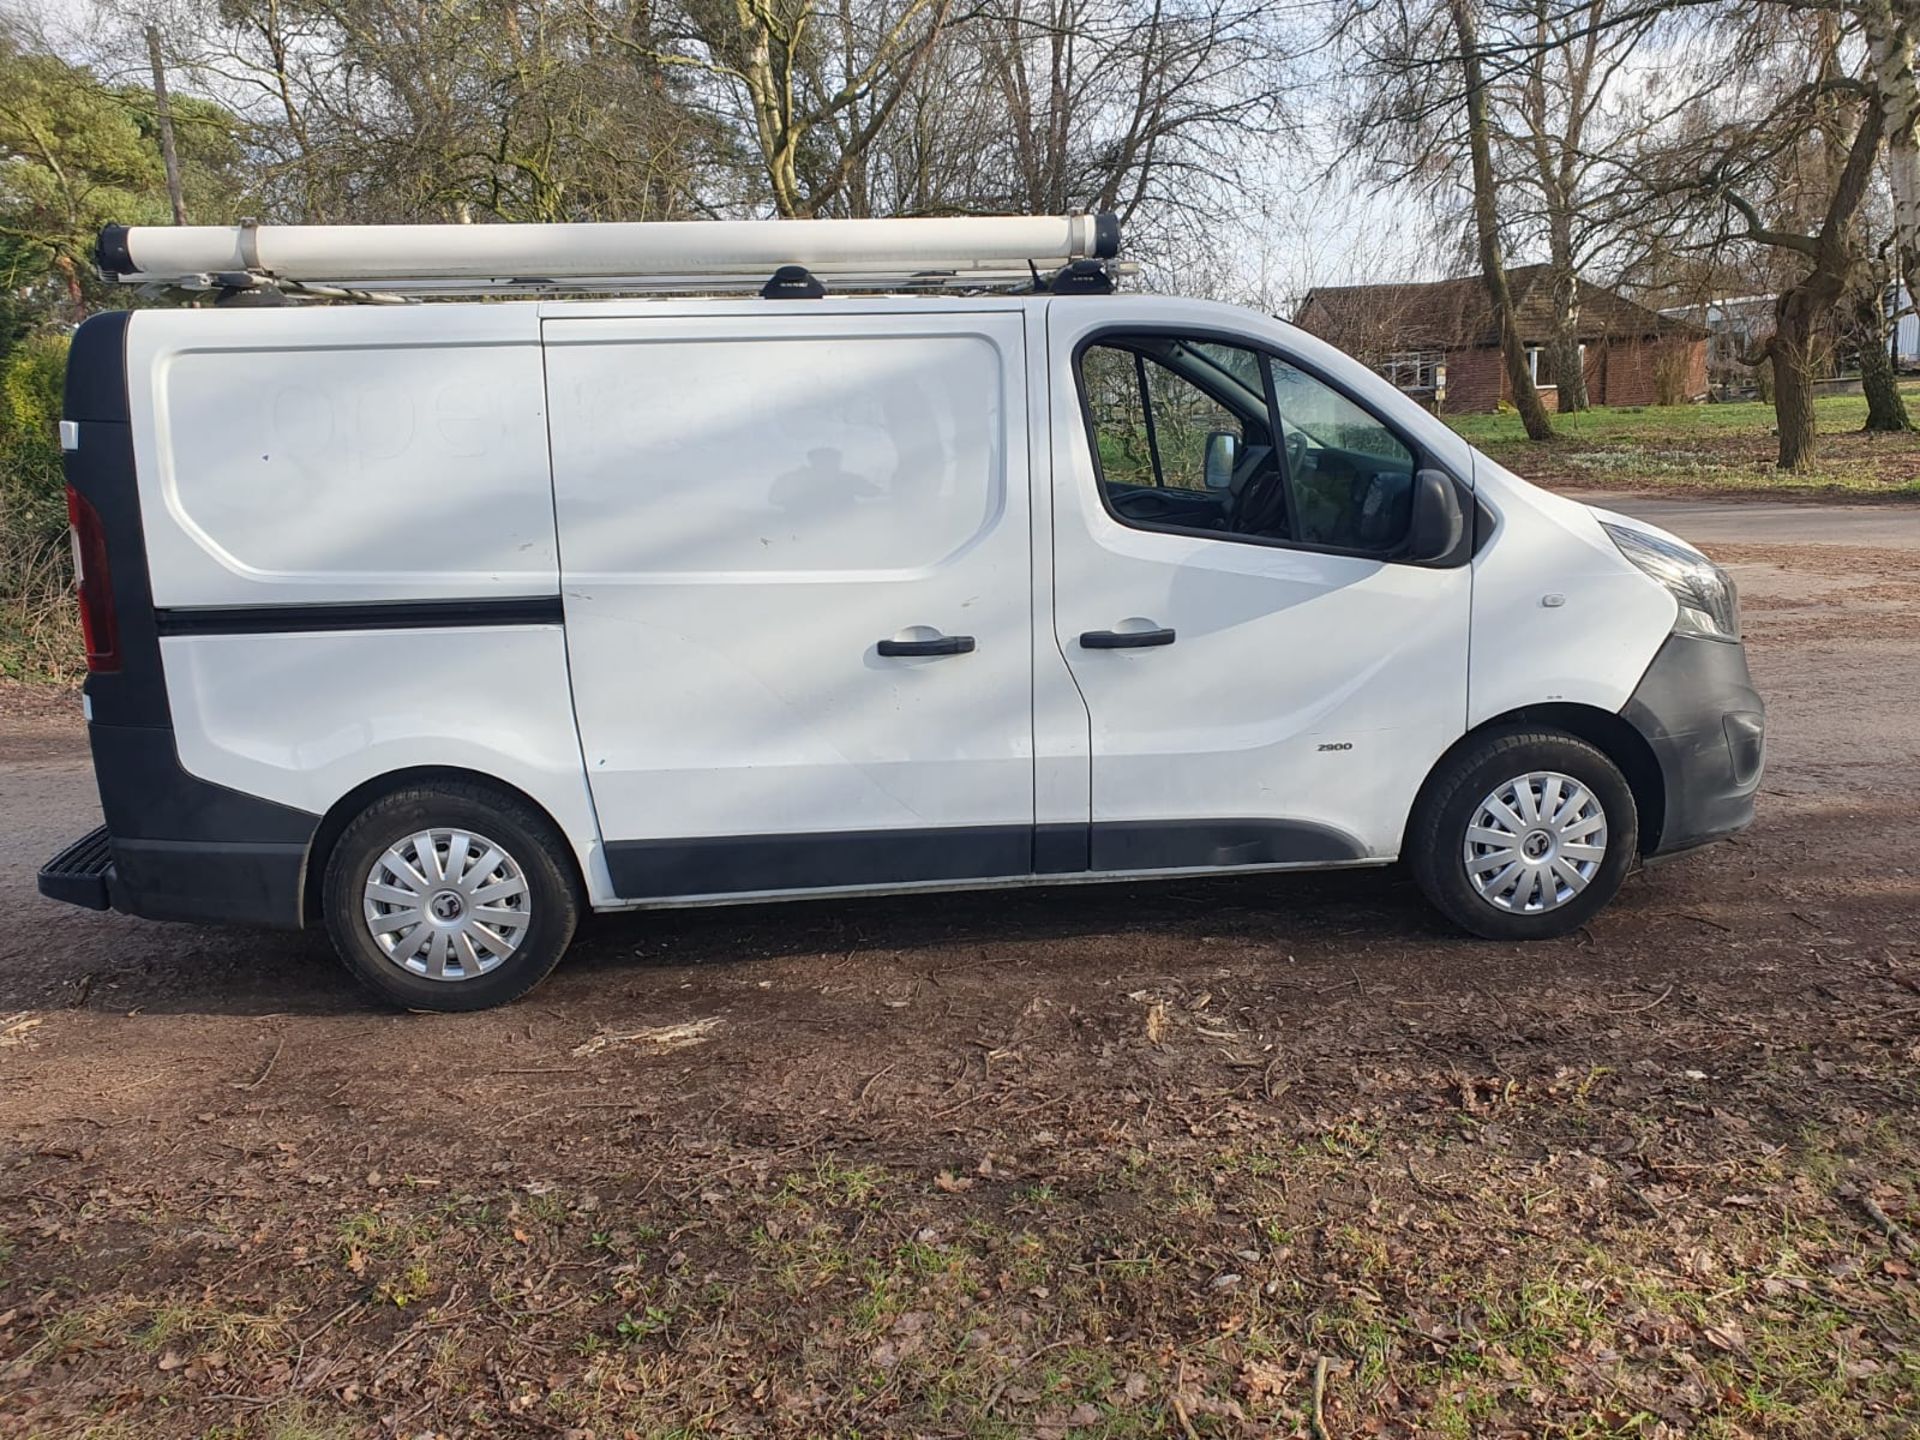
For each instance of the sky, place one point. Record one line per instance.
(1309, 219)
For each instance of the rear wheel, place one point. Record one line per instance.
(450, 897)
(1523, 835)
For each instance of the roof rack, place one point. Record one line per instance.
(273, 264)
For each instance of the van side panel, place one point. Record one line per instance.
(350, 455)
(181, 847)
(757, 510)
(331, 538)
(1559, 615)
(476, 697)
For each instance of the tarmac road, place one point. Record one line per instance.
(1767, 522)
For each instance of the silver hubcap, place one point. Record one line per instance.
(447, 904)
(1535, 842)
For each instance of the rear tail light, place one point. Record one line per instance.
(95, 584)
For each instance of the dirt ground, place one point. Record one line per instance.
(1276, 1156)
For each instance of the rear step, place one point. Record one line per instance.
(78, 874)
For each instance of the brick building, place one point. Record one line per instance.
(1418, 334)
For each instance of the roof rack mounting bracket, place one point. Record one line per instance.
(793, 282)
(1080, 277)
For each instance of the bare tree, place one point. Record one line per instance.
(380, 110)
(1865, 318)
(813, 87)
(1127, 107)
(1486, 221)
(1783, 162)
(1892, 28)
(1557, 110)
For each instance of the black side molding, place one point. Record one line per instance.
(1210, 844)
(734, 864)
(379, 615)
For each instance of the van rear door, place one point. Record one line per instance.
(795, 563)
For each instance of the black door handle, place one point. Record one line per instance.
(938, 645)
(1124, 639)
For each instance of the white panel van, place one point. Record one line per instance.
(439, 624)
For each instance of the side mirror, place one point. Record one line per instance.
(1437, 531)
(1222, 454)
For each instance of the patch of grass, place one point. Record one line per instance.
(1673, 424)
(299, 1421)
(1716, 449)
(850, 1187)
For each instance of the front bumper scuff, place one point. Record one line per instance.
(1697, 709)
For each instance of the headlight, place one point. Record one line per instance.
(1709, 603)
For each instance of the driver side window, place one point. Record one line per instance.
(1199, 435)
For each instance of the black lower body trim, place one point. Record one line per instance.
(146, 794)
(379, 615)
(1219, 844)
(736, 864)
(1706, 725)
(213, 882)
(186, 849)
(731, 864)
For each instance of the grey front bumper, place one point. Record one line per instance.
(1698, 710)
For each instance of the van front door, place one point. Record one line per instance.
(794, 553)
(1266, 683)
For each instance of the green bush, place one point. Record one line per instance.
(36, 610)
(33, 503)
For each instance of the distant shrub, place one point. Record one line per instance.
(36, 573)
(33, 504)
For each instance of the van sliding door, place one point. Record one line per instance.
(795, 564)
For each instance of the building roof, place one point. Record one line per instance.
(1456, 315)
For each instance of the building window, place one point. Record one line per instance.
(1413, 369)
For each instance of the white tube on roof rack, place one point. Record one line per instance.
(152, 254)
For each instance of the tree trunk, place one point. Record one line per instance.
(1563, 352)
(1564, 347)
(1891, 33)
(1791, 351)
(1886, 411)
(1526, 399)
(1802, 310)
(163, 112)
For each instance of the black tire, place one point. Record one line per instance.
(552, 893)
(1449, 804)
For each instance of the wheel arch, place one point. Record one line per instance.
(1608, 733)
(342, 812)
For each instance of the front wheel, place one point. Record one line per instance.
(1523, 834)
(450, 897)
